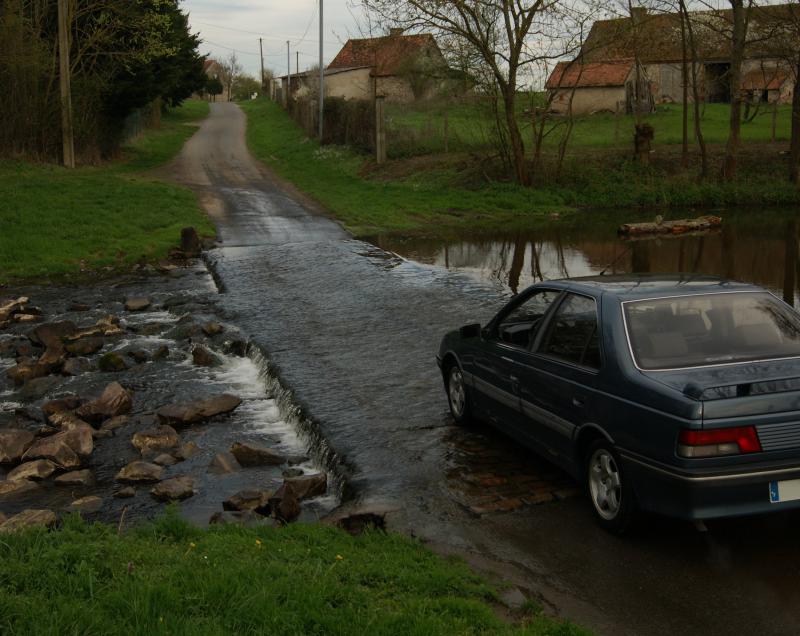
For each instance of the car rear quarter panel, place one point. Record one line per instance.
(642, 416)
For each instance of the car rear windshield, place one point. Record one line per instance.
(710, 329)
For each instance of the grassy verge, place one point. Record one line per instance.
(333, 176)
(58, 222)
(172, 578)
(449, 193)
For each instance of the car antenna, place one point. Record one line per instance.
(614, 262)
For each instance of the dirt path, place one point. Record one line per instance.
(353, 332)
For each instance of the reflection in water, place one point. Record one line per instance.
(760, 248)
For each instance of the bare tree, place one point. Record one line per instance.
(505, 35)
(230, 71)
(740, 15)
(694, 52)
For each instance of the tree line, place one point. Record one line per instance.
(125, 55)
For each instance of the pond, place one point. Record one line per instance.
(752, 246)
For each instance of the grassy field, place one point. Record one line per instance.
(459, 191)
(172, 578)
(333, 176)
(419, 128)
(58, 222)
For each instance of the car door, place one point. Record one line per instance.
(496, 364)
(557, 381)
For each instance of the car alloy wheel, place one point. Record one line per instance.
(457, 393)
(605, 484)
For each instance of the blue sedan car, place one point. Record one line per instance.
(671, 394)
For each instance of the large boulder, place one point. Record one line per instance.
(137, 304)
(39, 388)
(111, 362)
(29, 519)
(186, 414)
(36, 470)
(68, 421)
(85, 346)
(257, 500)
(13, 444)
(76, 366)
(52, 333)
(284, 504)
(140, 472)
(75, 478)
(174, 489)
(108, 326)
(202, 357)
(86, 505)
(10, 489)
(25, 371)
(212, 329)
(10, 307)
(309, 486)
(61, 405)
(114, 401)
(160, 438)
(223, 463)
(65, 449)
(255, 454)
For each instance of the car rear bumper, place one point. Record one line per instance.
(667, 491)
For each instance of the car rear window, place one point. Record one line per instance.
(710, 329)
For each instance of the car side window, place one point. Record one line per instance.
(572, 335)
(522, 324)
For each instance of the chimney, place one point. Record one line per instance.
(396, 32)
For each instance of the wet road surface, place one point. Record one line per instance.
(353, 331)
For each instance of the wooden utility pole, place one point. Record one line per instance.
(261, 51)
(321, 76)
(288, 73)
(380, 130)
(64, 81)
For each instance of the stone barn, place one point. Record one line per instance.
(655, 40)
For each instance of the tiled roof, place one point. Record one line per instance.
(658, 36)
(386, 55)
(593, 74)
(764, 80)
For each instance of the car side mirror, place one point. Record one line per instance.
(470, 331)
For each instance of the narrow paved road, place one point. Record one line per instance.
(353, 332)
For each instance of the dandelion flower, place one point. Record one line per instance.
(339, 557)
(258, 542)
(192, 545)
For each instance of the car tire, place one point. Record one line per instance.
(612, 498)
(458, 396)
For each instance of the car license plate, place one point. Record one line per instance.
(780, 491)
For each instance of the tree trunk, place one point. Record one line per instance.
(685, 83)
(698, 132)
(795, 144)
(735, 77)
(514, 135)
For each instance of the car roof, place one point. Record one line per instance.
(641, 286)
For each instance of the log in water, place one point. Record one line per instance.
(680, 226)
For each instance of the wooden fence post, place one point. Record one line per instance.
(446, 132)
(774, 119)
(616, 124)
(380, 130)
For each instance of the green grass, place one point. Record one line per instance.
(58, 222)
(416, 129)
(332, 175)
(450, 193)
(172, 578)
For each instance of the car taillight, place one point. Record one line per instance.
(718, 441)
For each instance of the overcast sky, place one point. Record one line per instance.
(237, 24)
